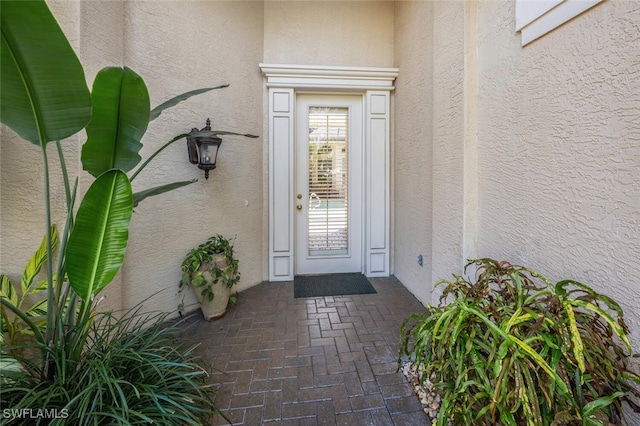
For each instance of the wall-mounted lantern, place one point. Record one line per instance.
(202, 147)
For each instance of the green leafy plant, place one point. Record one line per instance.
(137, 371)
(45, 99)
(24, 296)
(214, 256)
(512, 348)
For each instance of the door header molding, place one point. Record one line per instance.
(322, 77)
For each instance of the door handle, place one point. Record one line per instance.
(299, 207)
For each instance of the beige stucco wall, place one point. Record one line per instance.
(559, 151)
(178, 46)
(534, 151)
(435, 189)
(175, 47)
(22, 217)
(348, 33)
(412, 146)
(101, 44)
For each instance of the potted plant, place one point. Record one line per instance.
(513, 348)
(211, 270)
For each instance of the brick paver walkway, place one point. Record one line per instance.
(316, 361)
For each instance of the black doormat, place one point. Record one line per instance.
(331, 285)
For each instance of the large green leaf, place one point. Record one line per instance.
(161, 189)
(98, 242)
(120, 117)
(155, 113)
(44, 94)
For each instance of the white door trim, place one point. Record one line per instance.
(375, 85)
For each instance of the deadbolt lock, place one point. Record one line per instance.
(299, 196)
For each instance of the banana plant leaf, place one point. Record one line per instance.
(119, 120)
(141, 195)
(98, 242)
(44, 94)
(155, 113)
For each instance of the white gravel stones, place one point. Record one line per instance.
(426, 392)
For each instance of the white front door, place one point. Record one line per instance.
(328, 184)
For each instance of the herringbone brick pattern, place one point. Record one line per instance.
(318, 361)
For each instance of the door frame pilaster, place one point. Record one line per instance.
(375, 85)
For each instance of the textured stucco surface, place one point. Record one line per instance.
(412, 147)
(534, 150)
(448, 139)
(222, 43)
(22, 218)
(559, 133)
(102, 44)
(175, 47)
(178, 46)
(348, 33)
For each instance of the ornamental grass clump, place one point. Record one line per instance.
(512, 348)
(135, 370)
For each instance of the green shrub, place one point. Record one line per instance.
(512, 349)
(135, 371)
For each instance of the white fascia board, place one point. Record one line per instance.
(554, 18)
(329, 77)
(528, 11)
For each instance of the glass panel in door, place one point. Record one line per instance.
(328, 180)
(328, 209)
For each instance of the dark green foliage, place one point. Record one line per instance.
(134, 371)
(514, 349)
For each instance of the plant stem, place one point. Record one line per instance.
(23, 317)
(162, 148)
(65, 175)
(51, 305)
(68, 226)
